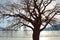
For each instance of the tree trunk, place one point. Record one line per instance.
(36, 35)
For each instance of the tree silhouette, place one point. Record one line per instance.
(35, 13)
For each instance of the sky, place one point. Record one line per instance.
(5, 22)
(16, 1)
(8, 1)
(57, 1)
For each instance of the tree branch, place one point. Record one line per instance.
(28, 9)
(47, 22)
(46, 5)
(11, 26)
(19, 15)
(26, 25)
(40, 3)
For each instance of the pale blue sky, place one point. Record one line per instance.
(5, 22)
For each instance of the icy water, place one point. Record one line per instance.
(27, 35)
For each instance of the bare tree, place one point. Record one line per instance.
(34, 12)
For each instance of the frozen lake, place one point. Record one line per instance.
(27, 35)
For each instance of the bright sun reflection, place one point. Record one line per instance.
(43, 38)
(43, 33)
